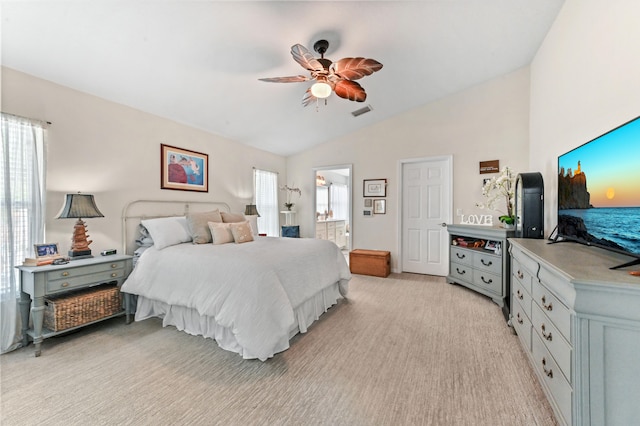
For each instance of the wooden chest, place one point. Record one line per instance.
(370, 262)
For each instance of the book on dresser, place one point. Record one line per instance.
(40, 261)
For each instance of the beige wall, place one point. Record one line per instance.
(113, 152)
(486, 122)
(585, 81)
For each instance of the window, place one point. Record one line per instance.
(266, 193)
(21, 213)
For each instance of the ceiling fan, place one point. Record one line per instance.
(329, 76)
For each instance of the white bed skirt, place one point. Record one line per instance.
(191, 322)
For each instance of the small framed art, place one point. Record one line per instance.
(368, 203)
(374, 188)
(46, 250)
(379, 206)
(492, 245)
(183, 170)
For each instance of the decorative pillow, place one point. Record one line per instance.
(220, 232)
(253, 221)
(198, 225)
(167, 231)
(232, 217)
(241, 232)
(144, 239)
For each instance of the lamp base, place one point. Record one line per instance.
(81, 254)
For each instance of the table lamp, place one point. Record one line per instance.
(78, 206)
(251, 210)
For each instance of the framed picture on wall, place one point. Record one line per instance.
(183, 170)
(379, 206)
(374, 188)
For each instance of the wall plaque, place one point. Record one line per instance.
(492, 166)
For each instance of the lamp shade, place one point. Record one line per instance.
(251, 210)
(79, 206)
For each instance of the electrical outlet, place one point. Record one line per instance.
(458, 212)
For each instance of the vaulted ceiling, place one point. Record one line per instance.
(198, 62)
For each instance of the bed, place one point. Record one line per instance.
(251, 295)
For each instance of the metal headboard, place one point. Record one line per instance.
(135, 211)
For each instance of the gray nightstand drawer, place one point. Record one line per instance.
(487, 280)
(462, 256)
(488, 262)
(67, 271)
(461, 272)
(84, 281)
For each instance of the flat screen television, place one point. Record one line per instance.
(599, 192)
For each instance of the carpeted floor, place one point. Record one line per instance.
(403, 350)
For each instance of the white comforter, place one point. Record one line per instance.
(251, 288)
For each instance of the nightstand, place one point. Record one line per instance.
(38, 282)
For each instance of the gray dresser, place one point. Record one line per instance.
(579, 324)
(481, 270)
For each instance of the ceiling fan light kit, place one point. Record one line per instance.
(329, 76)
(321, 89)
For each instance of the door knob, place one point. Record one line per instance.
(444, 225)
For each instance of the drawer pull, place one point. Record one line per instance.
(489, 263)
(545, 335)
(548, 372)
(65, 284)
(520, 274)
(113, 275)
(460, 256)
(114, 265)
(461, 272)
(548, 307)
(520, 321)
(65, 274)
(489, 281)
(519, 294)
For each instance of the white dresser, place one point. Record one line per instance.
(579, 323)
(332, 230)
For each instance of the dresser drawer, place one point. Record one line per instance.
(488, 281)
(521, 324)
(74, 280)
(488, 262)
(462, 256)
(553, 380)
(521, 274)
(66, 273)
(554, 309)
(519, 293)
(550, 336)
(461, 272)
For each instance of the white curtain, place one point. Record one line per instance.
(266, 190)
(22, 214)
(339, 196)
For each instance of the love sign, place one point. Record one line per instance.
(477, 219)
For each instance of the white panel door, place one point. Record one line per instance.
(426, 208)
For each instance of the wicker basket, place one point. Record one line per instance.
(81, 307)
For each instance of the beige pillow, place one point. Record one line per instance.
(220, 233)
(242, 232)
(232, 217)
(198, 225)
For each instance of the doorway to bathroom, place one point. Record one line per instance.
(333, 213)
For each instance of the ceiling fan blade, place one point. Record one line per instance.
(355, 68)
(305, 58)
(351, 90)
(308, 98)
(291, 79)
